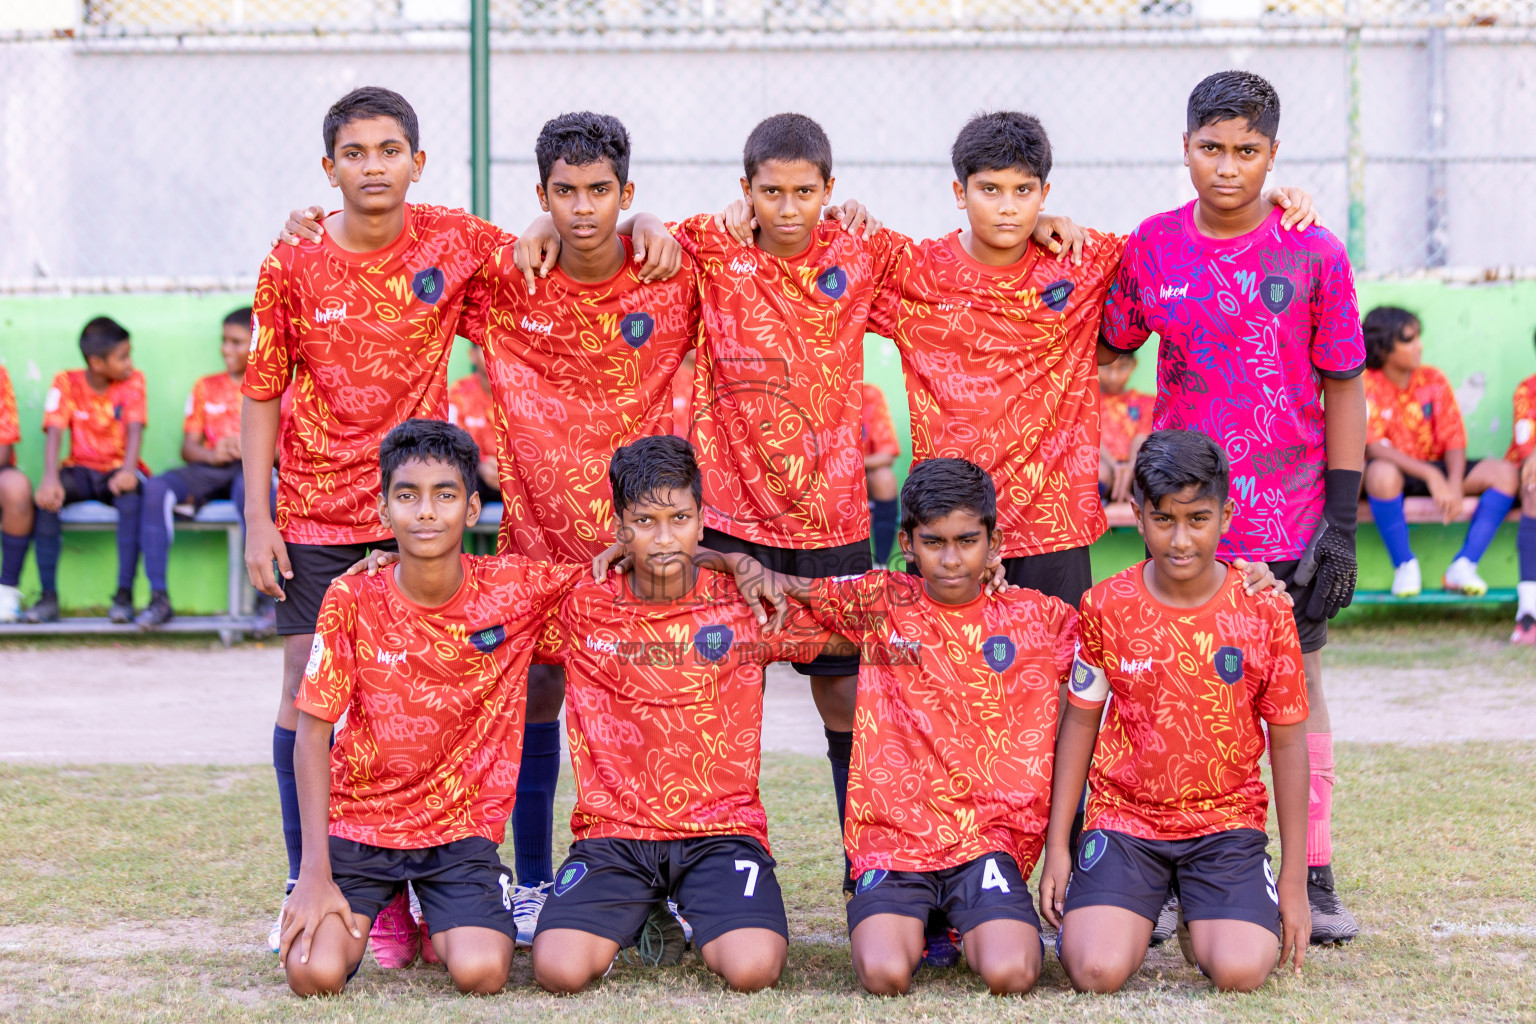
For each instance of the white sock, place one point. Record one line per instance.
(1525, 591)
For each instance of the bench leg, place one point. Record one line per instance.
(234, 545)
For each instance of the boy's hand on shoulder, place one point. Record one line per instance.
(50, 494)
(658, 253)
(854, 215)
(303, 226)
(994, 579)
(123, 481)
(377, 559)
(310, 903)
(1297, 204)
(760, 587)
(1053, 885)
(537, 249)
(1295, 919)
(1061, 236)
(1257, 576)
(612, 560)
(737, 221)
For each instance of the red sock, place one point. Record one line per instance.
(1320, 799)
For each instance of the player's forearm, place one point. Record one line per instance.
(879, 460)
(1456, 466)
(1289, 763)
(52, 443)
(1107, 355)
(312, 775)
(1344, 422)
(258, 445)
(1075, 738)
(193, 451)
(7, 455)
(132, 445)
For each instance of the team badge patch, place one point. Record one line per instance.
(1082, 676)
(713, 642)
(488, 639)
(569, 876)
(871, 878)
(1428, 409)
(1229, 664)
(1134, 413)
(832, 282)
(427, 285)
(636, 328)
(316, 655)
(117, 412)
(1090, 848)
(1055, 295)
(1276, 293)
(999, 652)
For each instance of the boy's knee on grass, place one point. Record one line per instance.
(566, 961)
(478, 963)
(883, 972)
(747, 959)
(1005, 954)
(1235, 955)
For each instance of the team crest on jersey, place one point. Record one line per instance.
(636, 328)
(1082, 676)
(1134, 412)
(488, 639)
(1229, 664)
(572, 873)
(1055, 295)
(427, 285)
(1276, 292)
(999, 652)
(713, 642)
(117, 412)
(871, 878)
(832, 282)
(1090, 848)
(1428, 409)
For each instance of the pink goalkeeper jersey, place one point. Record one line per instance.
(1249, 327)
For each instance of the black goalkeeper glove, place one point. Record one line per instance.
(1329, 562)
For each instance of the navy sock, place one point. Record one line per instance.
(157, 528)
(1525, 542)
(533, 816)
(1492, 507)
(48, 540)
(840, 752)
(882, 528)
(1393, 527)
(13, 552)
(288, 798)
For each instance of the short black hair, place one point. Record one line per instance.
(937, 487)
(101, 336)
(369, 102)
(1232, 95)
(1383, 328)
(643, 469)
(1000, 141)
(1171, 460)
(787, 137)
(580, 139)
(239, 317)
(429, 441)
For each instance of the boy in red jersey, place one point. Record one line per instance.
(664, 665)
(881, 450)
(1261, 350)
(1198, 668)
(428, 660)
(469, 406)
(1522, 453)
(210, 446)
(1415, 443)
(103, 410)
(1125, 419)
(15, 505)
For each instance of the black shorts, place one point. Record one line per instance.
(1415, 487)
(1313, 633)
(82, 484)
(607, 887)
(314, 566)
(205, 483)
(459, 884)
(1065, 574)
(1220, 877)
(989, 888)
(812, 563)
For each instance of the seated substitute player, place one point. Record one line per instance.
(210, 447)
(1125, 419)
(103, 410)
(1198, 669)
(949, 788)
(881, 450)
(469, 406)
(1416, 445)
(1522, 453)
(664, 672)
(428, 661)
(15, 505)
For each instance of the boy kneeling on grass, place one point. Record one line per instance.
(1198, 666)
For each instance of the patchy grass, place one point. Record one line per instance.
(1468, 639)
(144, 894)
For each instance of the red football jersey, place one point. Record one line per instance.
(10, 423)
(97, 424)
(955, 727)
(576, 371)
(664, 707)
(1002, 369)
(469, 406)
(364, 337)
(1122, 417)
(777, 400)
(213, 409)
(879, 431)
(434, 699)
(1178, 754)
(1523, 442)
(1422, 420)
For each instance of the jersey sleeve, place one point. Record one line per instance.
(1123, 326)
(554, 640)
(1522, 442)
(480, 292)
(274, 339)
(1450, 431)
(855, 606)
(879, 431)
(1087, 685)
(892, 254)
(1338, 346)
(699, 237)
(59, 405)
(332, 668)
(136, 405)
(10, 420)
(800, 639)
(1282, 700)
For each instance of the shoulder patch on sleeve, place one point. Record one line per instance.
(1087, 683)
(316, 655)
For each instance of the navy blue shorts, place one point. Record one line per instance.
(459, 884)
(989, 888)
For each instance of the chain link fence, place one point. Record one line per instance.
(158, 144)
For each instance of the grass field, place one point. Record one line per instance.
(144, 894)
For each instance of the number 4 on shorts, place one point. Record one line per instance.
(991, 878)
(750, 867)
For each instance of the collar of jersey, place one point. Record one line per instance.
(402, 240)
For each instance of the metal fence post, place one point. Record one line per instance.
(1355, 159)
(480, 108)
(1437, 237)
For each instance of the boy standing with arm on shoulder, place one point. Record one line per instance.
(1198, 668)
(1262, 351)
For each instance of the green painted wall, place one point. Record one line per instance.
(1468, 330)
